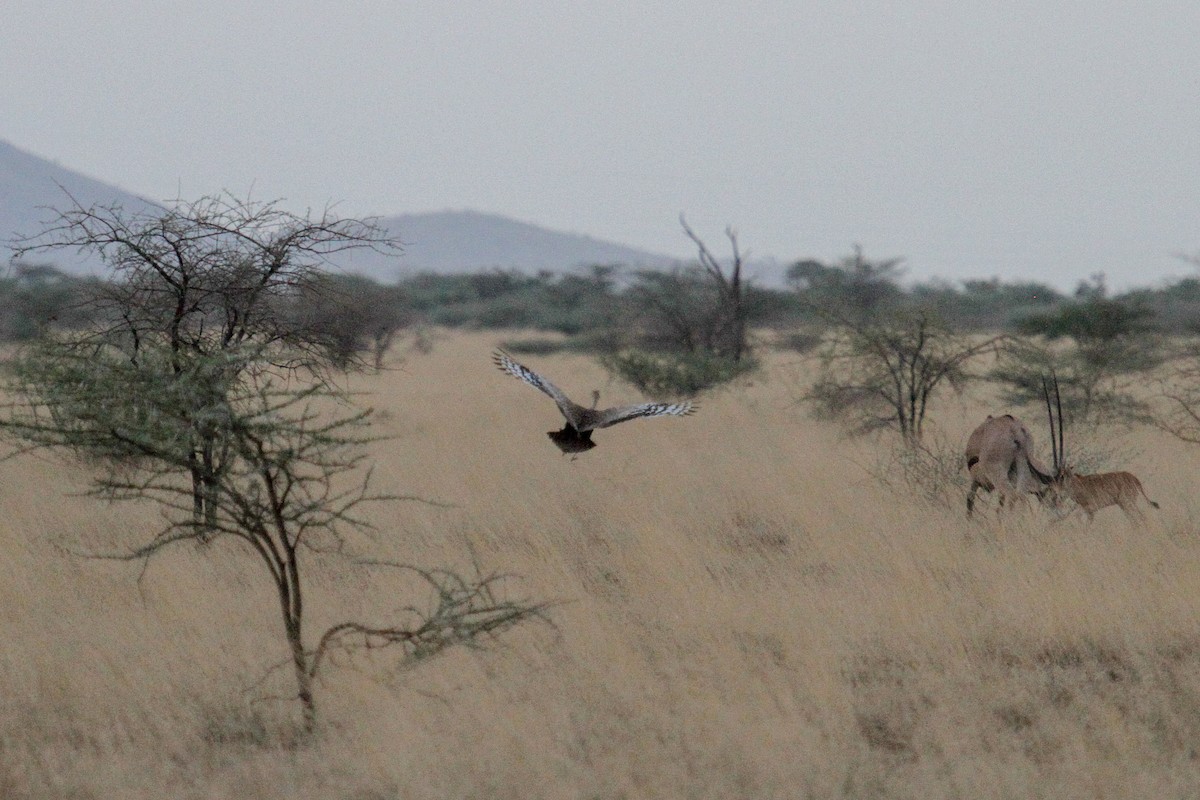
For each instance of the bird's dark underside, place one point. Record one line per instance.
(570, 440)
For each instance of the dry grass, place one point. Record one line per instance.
(745, 612)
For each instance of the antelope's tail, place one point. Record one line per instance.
(1148, 500)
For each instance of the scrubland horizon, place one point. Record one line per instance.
(741, 609)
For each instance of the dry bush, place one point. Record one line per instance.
(932, 472)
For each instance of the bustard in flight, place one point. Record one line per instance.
(576, 435)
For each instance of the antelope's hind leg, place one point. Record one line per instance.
(1133, 512)
(975, 486)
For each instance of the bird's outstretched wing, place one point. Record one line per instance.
(611, 416)
(505, 362)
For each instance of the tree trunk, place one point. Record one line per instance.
(210, 487)
(204, 501)
(308, 705)
(292, 625)
(288, 587)
(198, 492)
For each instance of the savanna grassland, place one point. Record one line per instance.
(741, 610)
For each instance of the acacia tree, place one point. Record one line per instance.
(882, 373)
(202, 278)
(199, 389)
(1099, 348)
(291, 478)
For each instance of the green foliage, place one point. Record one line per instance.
(1096, 346)
(674, 312)
(1096, 386)
(984, 305)
(665, 377)
(1097, 320)
(570, 303)
(38, 297)
(855, 288)
(350, 317)
(1174, 308)
(93, 399)
(534, 347)
(603, 309)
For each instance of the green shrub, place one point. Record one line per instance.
(668, 376)
(803, 341)
(534, 347)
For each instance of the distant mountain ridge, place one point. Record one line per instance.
(32, 187)
(444, 241)
(469, 241)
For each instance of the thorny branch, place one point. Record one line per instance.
(463, 611)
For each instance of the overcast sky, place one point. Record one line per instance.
(1026, 139)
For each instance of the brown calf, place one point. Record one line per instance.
(1094, 492)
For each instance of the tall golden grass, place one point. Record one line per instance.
(742, 611)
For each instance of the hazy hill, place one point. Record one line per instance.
(30, 187)
(446, 241)
(468, 241)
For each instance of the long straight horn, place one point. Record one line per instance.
(1050, 417)
(1062, 447)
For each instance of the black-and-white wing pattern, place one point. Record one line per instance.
(505, 362)
(611, 416)
(576, 435)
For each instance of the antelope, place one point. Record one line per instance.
(576, 434)
(1093, 492)
(1104, 489)
(999, 458)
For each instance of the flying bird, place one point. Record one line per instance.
(576, 435)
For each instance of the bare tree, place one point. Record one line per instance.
(1175, 406)
(882, 374)
(730, 311)
(689, 328)
(699, 309)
